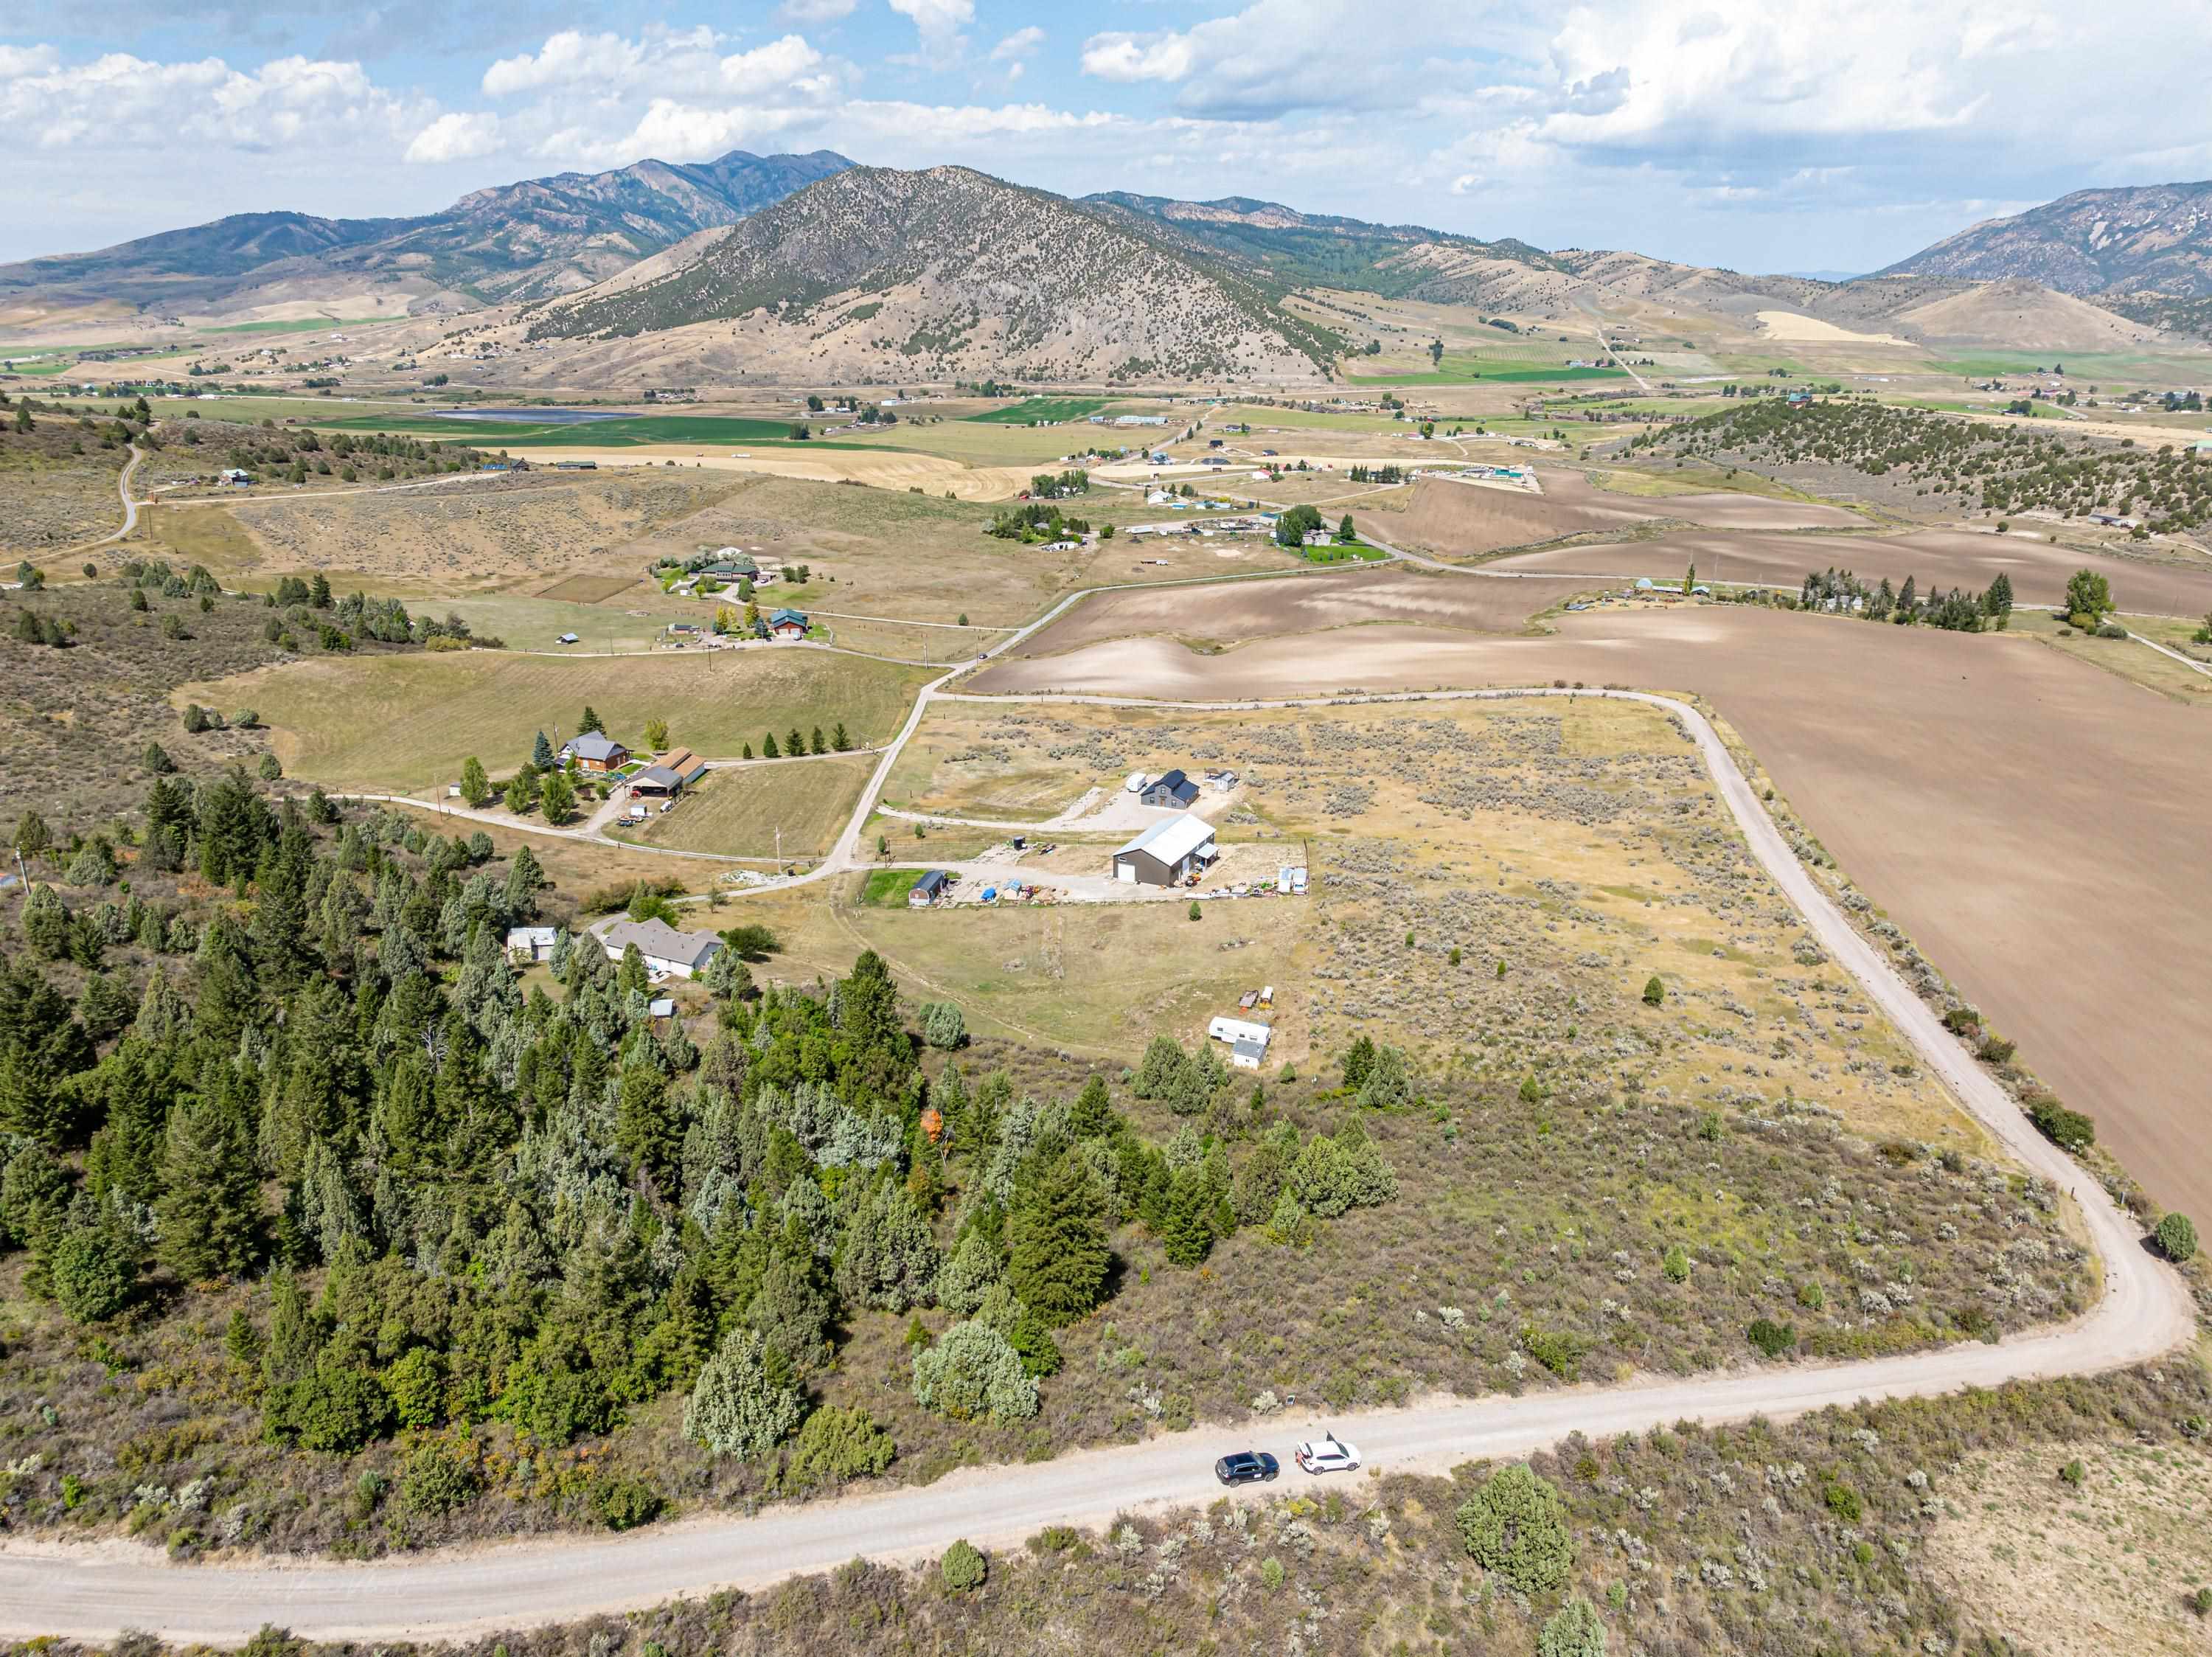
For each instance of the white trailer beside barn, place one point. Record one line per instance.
(1248, 1040)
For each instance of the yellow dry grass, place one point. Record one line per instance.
(741, 811)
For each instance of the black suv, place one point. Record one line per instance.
(1246, 1467)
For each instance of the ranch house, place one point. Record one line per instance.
(667, 951)
(595, 751)
(787, 623)
(1170, 788)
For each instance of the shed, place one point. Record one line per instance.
(1172, 848)
(525, 944)
(686, 766)
(1169, 789)
(666, 950)
(656, 779)
(928, 889)
(1248, 1054)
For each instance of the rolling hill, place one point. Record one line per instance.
(879, 273)
(539, 237)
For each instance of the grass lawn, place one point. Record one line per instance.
(407, 723)
(1358, 551)
(1463, 370)
(300, 325)
(887, 888)
(1034, 408)
(737, 811)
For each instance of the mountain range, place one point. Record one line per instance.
(514, 241)
(807, 265)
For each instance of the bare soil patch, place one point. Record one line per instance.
(1973, 784)
(1234, 612)
(1453, 519)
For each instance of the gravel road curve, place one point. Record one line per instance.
(93, 1592)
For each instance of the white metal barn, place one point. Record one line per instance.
(1164, 854)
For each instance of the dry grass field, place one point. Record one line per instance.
(403, 723)
(2082, 1570)
(525, 531)
(2025, 820)
(738, 810)
(1574, 843)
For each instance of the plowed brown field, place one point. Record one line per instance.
(1452, 519)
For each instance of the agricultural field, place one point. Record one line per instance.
(737, 811)
(406, 723)
(1031, 410)
(2128, 659)
(1838, 714)
(519, 431)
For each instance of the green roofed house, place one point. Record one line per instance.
(787, 623)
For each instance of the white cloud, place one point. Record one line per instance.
(456, 138)
(937, 24)
(660, 63)
(815, 11)
(1139, 57)
(118, 101)
(1022, 43)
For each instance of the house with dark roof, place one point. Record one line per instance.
(928, 889)
(787, 623)
(1170, 789)
(595, 751)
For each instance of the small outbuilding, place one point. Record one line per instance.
(1169, 851)
(526, 945)
(1170, 789)
(928, 889)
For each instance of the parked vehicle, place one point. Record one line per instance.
(1247, 1467)
(1330, 1454)
(1136, 782)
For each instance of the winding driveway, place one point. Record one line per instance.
(92, 1594)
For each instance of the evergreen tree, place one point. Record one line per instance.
(817, 745)
(794, 745)
(590, 721)
(525, 875)
(475, 787)
(1057, 1258)
(319, 591)
(210, 1206)
(768, 750)
(541, 753)
(1186, 1228)
(839, 741)
(1998, 601)
(560, 798)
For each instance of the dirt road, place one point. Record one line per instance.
(93, 1593)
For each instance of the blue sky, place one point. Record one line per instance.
(1814, 134)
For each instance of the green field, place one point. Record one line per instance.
(1355, 552)
(1039, 408)
(301, 324)
(407, 723)
(1464, 371)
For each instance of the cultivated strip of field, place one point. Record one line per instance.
(755, 811)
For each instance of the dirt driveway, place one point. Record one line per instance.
(2037, 825)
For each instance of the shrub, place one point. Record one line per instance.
(1270, 1573)
(1516, 1525)
(1674, 1264)
(735, 1409)
(1654, 991)
(1842, 1501)
(1576, 1631)
(335, 1408)
(1388, 1083)
(963, 1567)
(837, 1444)
(943, 1025)
(623, 1502)
(1773, 1338)
(94, 1274)
(1558, 1351)
(973, 1374)
(2176, 1238)
(439, 1477)
(2069, 1131)
(2074, 1474)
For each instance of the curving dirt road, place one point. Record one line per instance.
(93, 1593)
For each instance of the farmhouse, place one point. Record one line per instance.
(1169, 789)
(665, 949)
(787, 623)
(595, 751)
(928, 889)
(526, 944)
(1172, 849)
